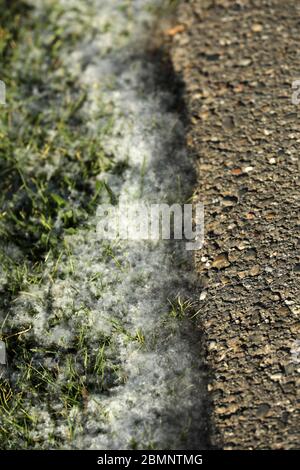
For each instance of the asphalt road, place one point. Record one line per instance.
(238, 60)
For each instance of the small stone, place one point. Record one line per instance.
(243, 245)
(236, 171)
(221, 261)
(226, 410)
(276, 377)
(229, 201)
(297, 268)
(212, 346)
(245, 62)
(175, 30)
(242, 274)
(238, 88)
(263, 410)
(256, 28)
(228, 122)
(270, 216)
(255, 270)
(272, 161)
(251, 254)
(203, 295)
(247, 169)
(285, 311)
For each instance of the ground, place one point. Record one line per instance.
(101, 350)
(237, 61)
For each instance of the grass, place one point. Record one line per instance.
(49, 160)
(69, 375)
(180, 308)
(49, 163)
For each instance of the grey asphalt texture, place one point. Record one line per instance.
(237, 61)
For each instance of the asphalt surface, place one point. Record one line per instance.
(238, 60)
